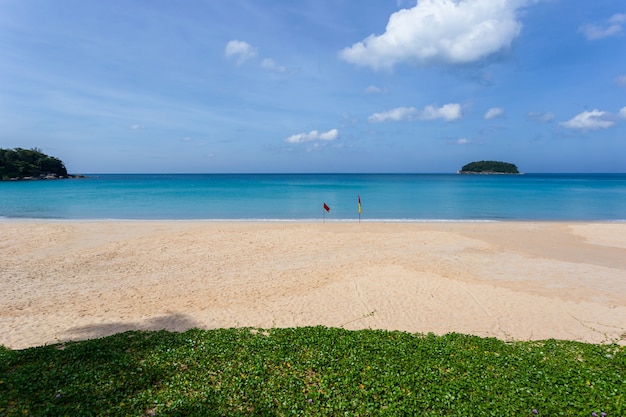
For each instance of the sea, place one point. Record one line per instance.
(301, 197)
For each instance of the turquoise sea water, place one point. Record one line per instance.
(388, 197)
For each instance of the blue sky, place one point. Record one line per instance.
(315, 85)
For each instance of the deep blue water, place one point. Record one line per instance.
(407, 197)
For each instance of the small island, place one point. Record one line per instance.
(489, 167)
(30, 164)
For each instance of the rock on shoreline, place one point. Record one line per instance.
(47, 177)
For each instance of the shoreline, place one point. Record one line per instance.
(303, 220)
(514, 280)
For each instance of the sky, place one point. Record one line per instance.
(310, 86)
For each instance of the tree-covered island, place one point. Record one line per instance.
(30, 164)
(489, 167)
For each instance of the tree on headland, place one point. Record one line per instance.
(29, 163)
(489, 167)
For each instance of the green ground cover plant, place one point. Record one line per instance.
(312, 371)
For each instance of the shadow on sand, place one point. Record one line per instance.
(174, 322)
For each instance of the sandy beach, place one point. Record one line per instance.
(514, 281)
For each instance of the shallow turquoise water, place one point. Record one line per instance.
(390, 197)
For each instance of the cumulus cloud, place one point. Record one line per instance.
(589, 120)
(372, 89)
(243, 51)
(621, 80)
(610, 27)
(463, 141)
(440, 32)
(541, 117)
(494, 112)
(448, 112)
(395, 115)
(313, 135)
(270, 65)
(622, 113)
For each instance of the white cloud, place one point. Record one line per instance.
(269, 65)
(240, 49)
(395, 115)
(243, 51)
(618, 18)
(330, 135)
(622, 113)
(372, 89)
(621, 80)
(448, 112)
(313, 135)
(440, 32)
(463, 141)
(611, 27)
(589, 120)
(541, 117)
(494, 112)
(136, 127)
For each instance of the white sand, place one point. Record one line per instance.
(515, 281)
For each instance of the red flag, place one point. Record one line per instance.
(326, 207)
